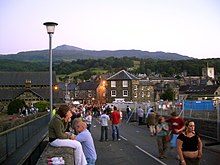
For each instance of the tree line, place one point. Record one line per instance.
(136, 65)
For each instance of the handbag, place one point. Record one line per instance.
(167, 137)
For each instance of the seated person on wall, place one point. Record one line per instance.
(59, 138)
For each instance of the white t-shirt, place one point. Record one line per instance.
(104, 120)
(88, 119)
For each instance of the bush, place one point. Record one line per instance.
(42, 105)
(15, 105)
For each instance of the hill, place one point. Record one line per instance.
(70, 53)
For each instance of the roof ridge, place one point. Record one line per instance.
(114, 74)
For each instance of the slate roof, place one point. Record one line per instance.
(201, 90)
(19, 78)
(89, 85)
(145, 82)
(123, 75)
(70, 86)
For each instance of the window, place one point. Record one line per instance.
(135, 94)
(148, 93)
(113, 83)
(125, 93)
(113, 93)
(124, 83)
(135, 87)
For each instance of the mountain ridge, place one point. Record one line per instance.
(68, 53)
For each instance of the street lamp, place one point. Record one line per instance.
(50, 30)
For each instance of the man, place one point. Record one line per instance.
(177, 126)
(128, 112)
(104, 118)
(85, 138)
(115, 118)
(140, 113)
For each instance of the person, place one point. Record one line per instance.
(85, 138)
(104, 118)
(59, 138)
(151, 121)
(88, 120)
(189, 145)
(148, 111)
(140, 113)
(75, 121)
(177, 126)
(162, 131)
(115, 118)
(128, 112)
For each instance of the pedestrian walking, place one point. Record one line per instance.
(128, 112)
(88, 120)
(115, 118)
(162, 131)
(140, 113)
(189, 145)
(151, 121)
(177, 126)
(104, 118)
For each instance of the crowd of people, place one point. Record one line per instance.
(70, 127)
(177, 135)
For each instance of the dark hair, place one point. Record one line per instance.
(187, 122)
(62, 111)
(115, 108)
(104, 111)
(174, 114)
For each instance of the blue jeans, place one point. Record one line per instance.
(90, 161)
(115, 128)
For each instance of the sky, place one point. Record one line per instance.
(186, 27)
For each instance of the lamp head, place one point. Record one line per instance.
(50, 27)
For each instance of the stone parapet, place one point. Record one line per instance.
(65, 152)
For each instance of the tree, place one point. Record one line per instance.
(16, 105)
(42, 105)
(168, 94)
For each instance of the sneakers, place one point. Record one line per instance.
(119, 139)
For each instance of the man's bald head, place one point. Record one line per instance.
(81, 126)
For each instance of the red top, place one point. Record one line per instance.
(115, 117)
(176, 123)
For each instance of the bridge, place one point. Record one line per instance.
(24, 143)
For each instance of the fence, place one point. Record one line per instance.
(14, 138)
(208, 120)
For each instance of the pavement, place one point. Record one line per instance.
(209, 144)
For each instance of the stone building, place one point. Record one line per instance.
(28, 86)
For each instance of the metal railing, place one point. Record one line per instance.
(14, 138)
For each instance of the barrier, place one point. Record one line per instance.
(49, 152)
(16, 140)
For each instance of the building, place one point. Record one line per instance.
(91, 92)
(201, 92)
(125, 87)
(28, 86)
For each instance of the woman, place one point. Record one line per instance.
(151, 119)
(189, 145)
(162, 129)
(59, 138)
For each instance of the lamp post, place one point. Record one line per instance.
(50, 30)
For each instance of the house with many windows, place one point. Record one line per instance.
(125, 87)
